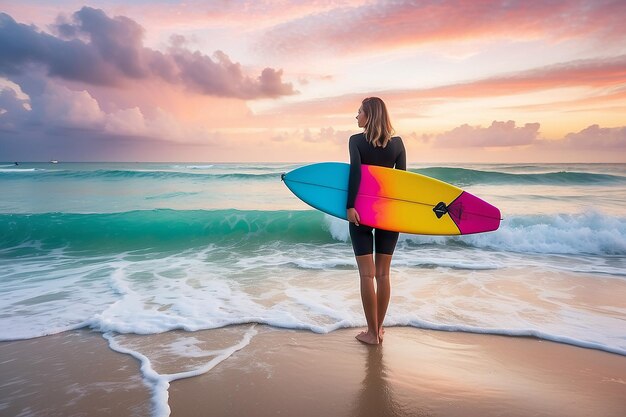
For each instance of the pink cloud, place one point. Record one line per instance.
(519, 144)
(499, 134)
(218, 75)
(375, 25)
(596, 137)
(245, 13)
(324, 135)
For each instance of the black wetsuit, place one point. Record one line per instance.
(362, 152)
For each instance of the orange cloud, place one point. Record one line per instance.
(605, 79)
(600, 73)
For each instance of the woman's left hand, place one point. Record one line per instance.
(353, 216)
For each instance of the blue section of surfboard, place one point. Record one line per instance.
(323, 186)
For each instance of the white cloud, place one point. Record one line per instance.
(14, 108)
(63, 107)
(126, 122)
(8, 84)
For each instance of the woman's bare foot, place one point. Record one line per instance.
(381, 333)
(367, 338)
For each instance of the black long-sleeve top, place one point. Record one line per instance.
(362, 152)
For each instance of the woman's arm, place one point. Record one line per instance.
(401, 159)
(354, 180)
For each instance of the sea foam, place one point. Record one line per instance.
(160, 382)
(585, 233)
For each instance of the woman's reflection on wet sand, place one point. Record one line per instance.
(376, 395)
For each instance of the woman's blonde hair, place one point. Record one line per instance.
(378, 129)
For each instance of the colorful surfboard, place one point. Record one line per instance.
(394, 200)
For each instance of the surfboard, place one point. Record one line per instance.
(393, 199)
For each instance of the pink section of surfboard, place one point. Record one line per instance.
(473, 215)
(370, 186)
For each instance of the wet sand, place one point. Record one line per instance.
(70, 374)
(298, 373)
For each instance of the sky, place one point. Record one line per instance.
(466, 81)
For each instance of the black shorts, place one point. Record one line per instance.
(363, 240)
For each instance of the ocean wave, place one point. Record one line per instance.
(167, 196)
(121, 174)
(18, 170)
(235, 167)
(590, 233)
(453, 175)
(192, 166)
(160, 229)
(464, 177)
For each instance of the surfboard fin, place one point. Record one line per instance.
(440, 209)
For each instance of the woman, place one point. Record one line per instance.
(375, 146)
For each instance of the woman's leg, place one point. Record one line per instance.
(385, 246)
(383, 289)
(367, 271)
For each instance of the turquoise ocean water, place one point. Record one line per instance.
(145, 248)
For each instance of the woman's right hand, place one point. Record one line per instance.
(353, 216)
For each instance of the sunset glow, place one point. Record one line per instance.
(465, 81)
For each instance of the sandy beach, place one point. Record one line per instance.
(288, 372)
